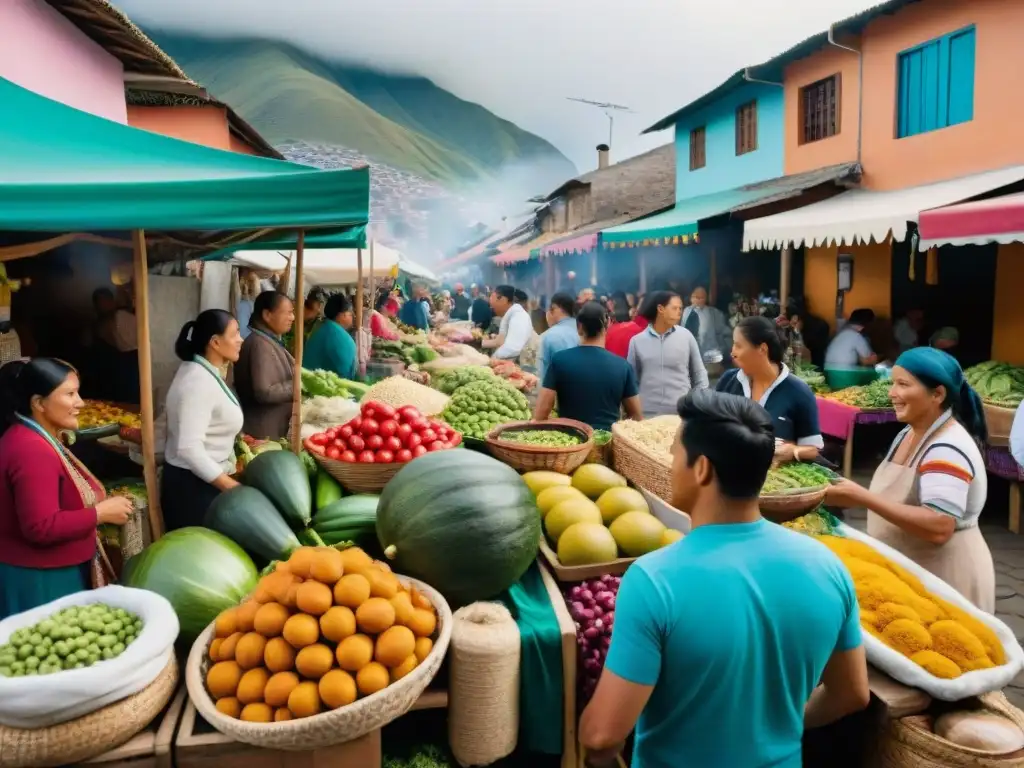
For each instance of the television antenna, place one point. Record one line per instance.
(609, 111)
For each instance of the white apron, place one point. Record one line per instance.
(964, 562)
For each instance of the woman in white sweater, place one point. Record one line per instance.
(203, 420)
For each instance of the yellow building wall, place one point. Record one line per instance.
(872, 280)
(1008, 323)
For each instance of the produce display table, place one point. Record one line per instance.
(199, 746)
(840, 421)
(1001, 463)
(152, 747)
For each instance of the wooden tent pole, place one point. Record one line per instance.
(373, 284)
(141, 278)
(299, 338)
(359, 288)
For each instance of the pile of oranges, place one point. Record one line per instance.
(323, 629)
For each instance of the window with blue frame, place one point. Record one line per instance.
(936, 84)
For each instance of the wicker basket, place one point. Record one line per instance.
(336, 726)
(527, 458)
(783, 507)
(357, 478)
(639, 466)
(910, 743)
(91, 735)
(10, 347)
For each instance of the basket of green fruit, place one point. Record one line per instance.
(558, 445)
(791, 490)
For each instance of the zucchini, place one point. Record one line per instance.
(249, 519)
(352, 517)
(282, 478)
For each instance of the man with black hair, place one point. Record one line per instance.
(589, 383)
(850, 347)
(714, 622)
(331, 347)
(665, 356)
(561, 333)
(516, 328)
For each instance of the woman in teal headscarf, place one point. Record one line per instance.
(925, 498)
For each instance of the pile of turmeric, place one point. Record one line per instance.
(896, 608)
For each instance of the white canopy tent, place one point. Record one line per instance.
(331, 266)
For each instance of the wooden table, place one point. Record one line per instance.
(151, 748)
(999, 462)
(839, 421)
(197, 746)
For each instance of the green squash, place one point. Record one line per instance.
(462, 522)
(249, 519)
(198, 570)
(282, 477)
(352, 518)
(328, 490)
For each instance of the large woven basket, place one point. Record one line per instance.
(781, 508)
(638, 465)
(527, 458)
(336, 726)
(910, 743)
(357, 478)
(98, 732)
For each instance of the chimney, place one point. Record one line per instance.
(602, 156)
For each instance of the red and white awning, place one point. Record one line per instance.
(997, 220)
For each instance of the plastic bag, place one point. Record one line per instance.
(44, 700)
(902, 669)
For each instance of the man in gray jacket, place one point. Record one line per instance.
(665, 356)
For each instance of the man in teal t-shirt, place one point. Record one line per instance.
(721, 639)
(331, 347)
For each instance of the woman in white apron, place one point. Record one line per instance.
(925, 498)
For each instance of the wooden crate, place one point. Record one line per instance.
(199, 746)
(567, 627)
(670, 516)
(152, 747)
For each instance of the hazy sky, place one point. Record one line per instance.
(522, 58)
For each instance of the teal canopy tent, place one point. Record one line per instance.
(64, 172)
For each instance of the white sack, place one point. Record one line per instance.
(44, 700)
(900, 668)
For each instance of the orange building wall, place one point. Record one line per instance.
(207, 125)
(991, 140)
(872, 280)
(1007, 339)
(841, 148)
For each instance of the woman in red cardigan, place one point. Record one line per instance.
(50, 504)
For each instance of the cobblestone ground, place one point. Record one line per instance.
(1008, 555)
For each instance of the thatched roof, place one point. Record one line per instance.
(106, 25)
(168, 84)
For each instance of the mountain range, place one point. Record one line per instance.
(408, 122)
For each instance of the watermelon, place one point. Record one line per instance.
(198, 570)
(462, 522)
(282, 478)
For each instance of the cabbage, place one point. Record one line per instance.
(198, 570)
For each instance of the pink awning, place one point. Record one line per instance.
(578, 244)
(512, 256)
(998, 220)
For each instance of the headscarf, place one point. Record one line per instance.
(934, 367)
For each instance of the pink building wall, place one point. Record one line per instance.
(44, 52)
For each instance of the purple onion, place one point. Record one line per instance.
(606, 643)
(609, 620)
(587, 614)
(591, 633)
(586, 596)
(598, 625)
(598, 611)
(574, 593)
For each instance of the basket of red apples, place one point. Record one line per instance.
(366, 452)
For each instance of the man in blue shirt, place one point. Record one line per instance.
(561, 333)
(331, 347)
(721, 639)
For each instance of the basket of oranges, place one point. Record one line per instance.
(329, 647)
